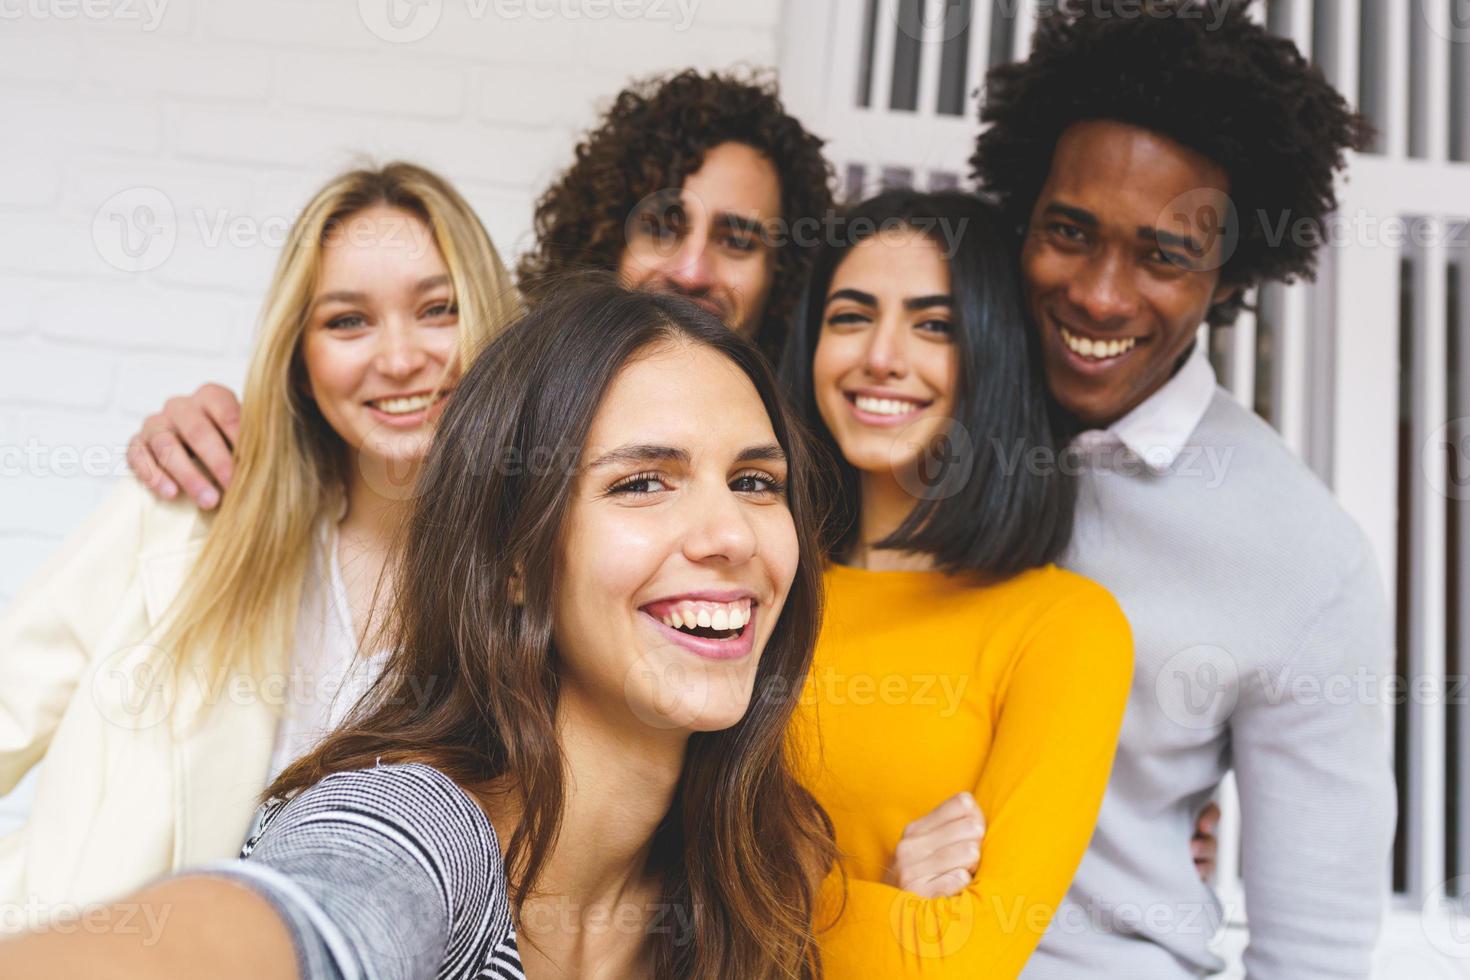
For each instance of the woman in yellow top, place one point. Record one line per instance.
(957, 665)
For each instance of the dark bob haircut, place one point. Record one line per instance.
(1201, 73)
(988, 513)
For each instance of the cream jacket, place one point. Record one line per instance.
(142, 775)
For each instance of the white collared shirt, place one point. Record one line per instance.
(1157, 430)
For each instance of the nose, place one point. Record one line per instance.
(399, 352)
(691, 267)
(1104, 290)
(887, 353)
(719, 529)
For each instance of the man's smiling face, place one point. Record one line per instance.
(1118, 277)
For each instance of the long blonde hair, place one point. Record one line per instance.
(238, 605)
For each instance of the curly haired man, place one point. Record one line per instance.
(691, 184)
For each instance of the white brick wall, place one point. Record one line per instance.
(232, 112)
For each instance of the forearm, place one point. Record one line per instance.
(886, 932)
(1317, 795)
(186, 928)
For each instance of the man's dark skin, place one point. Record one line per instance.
(1108, 256)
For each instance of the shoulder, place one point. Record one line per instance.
(1296, 525)
(411, 804)
(395, 859)
(1071, 616)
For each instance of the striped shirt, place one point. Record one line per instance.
(390, 873)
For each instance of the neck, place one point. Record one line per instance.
(372, 515)
(884, 506)
(621, 776)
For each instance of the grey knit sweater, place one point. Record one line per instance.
(1262, 640)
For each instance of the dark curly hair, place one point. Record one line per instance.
(1201, 73)
(655, 135)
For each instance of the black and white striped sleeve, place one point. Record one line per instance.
(390, 873)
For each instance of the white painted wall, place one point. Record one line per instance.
(204, 125)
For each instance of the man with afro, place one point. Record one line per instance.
(1151, 152)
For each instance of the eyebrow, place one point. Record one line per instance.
(651, 453)
(739, 222)
(912, 303)
(352, 296)
(1154, 235)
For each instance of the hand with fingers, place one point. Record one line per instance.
(940, 851)
(189, 444)
(1204, 847)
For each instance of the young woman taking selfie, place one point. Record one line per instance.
(604, 607)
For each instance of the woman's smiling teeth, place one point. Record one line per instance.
(405, 404)
(1097, 350)
(721, 617)
(886, 406)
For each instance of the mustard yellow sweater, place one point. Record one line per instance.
(924, 685)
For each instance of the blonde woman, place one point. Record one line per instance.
(168, 662)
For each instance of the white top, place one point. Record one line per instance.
(327, 675)
(1157, 430)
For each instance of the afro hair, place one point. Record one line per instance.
(1201, 73)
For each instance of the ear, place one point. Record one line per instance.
(1225, 291)
(517, 588)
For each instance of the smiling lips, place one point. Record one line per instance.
(1096, 350)
(717, 629)
(884, 408)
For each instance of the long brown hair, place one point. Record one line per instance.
(472, 688)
